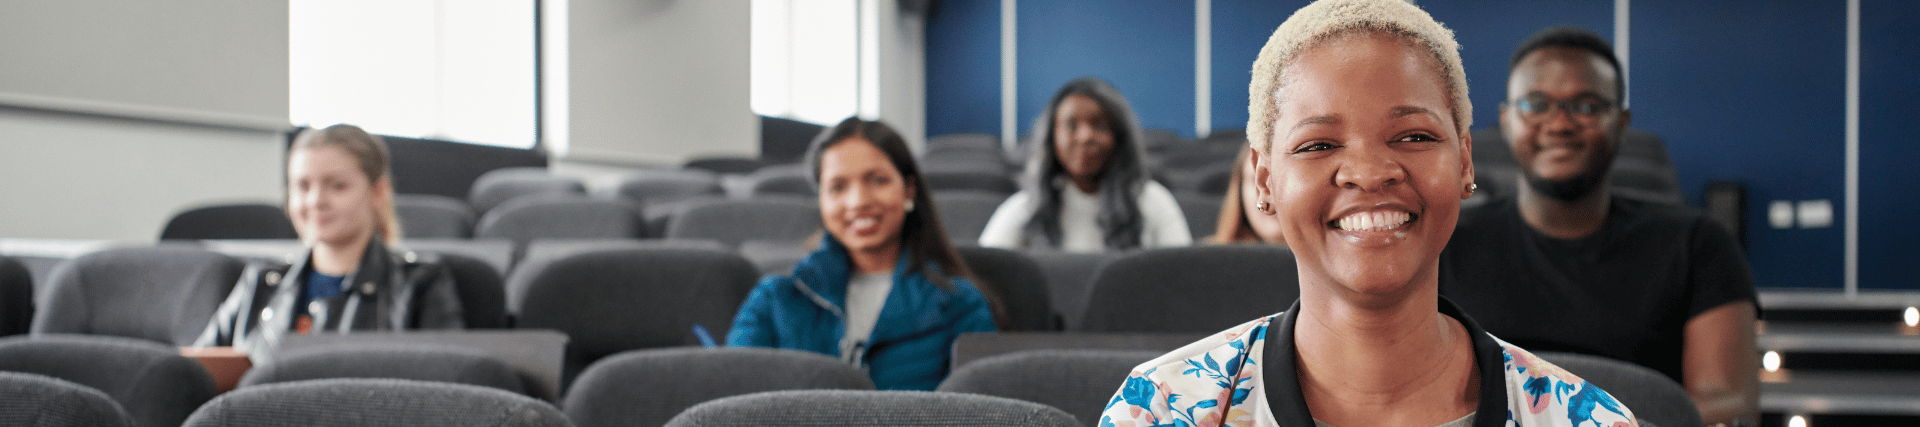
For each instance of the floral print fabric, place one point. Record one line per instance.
(1217, 382)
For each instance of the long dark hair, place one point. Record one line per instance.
(1120, 181)
(921, 233)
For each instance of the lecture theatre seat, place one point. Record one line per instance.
(1079, 382)
(164, 294)
(618, 299)
(16, 297)
(527, 218)
(1650, 394)
(649, 387)
(33, 400)
(374, 402)
(433, 216)
(152, 382)
(230, 221)
(1191, 289)
(1017, 282)
(964, 213)
(655, 187)
(420, 362)
(732, 222)
(875, 408)
(500, 185)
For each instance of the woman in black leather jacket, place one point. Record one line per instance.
(340, 198)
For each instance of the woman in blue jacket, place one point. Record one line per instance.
(885, 291)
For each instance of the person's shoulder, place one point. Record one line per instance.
(1238, 340)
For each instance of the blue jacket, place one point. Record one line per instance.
(911, 342)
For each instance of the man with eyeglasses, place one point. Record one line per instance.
(1564, 265)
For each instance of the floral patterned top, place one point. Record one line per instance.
(1218, 381)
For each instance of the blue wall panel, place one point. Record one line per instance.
(1889, 54)
(1489, 31)
(963, 68)
(1752, 91)
(1240, 28)
(1143, 47)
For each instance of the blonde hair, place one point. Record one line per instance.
(374, 161)
(1326, 19)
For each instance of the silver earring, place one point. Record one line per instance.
(909, 206)
(1264, 207)
(1471, 187)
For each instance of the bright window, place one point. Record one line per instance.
(459, 70)
(806, 59)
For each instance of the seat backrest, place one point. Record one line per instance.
(1017, 282)
(33, 400)
(1179, 289)
(1080, 382)
(976, 346)
(561, 217)
(422, 362)
(165, 294)
(152, 382)
(618, 299)
(651, 187)
(964, 213)
(860, 407)
(1651, 395)
(649, 387)
(374, 402)
(497, 253)
(724, 165)
(483, 293)
(991, 177)
(16, 297)
(1069, 278)
(1202, 212)
(500, 185)
(734, 221)
(782, 179)
(433, 216)
(964, 142)
(230, 221)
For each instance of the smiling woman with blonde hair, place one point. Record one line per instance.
(1358, 121)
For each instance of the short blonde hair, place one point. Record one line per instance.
(1327, 19)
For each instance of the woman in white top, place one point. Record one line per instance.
(1086, 187)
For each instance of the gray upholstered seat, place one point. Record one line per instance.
(1181, 289)
(1018, 283)
(1069, 278)
(500, 185)
(734, 221)
(483, 293)
(652, 187)
(1651, 395)
(1202, 213)
(782, 179)
(561, 217)
(165, 294)
(423, 362)
(16, 297)
(649, 387)
(433, 216)
(617, 299)
(1080, 382)
(374, 402)
(230, 221)
(154, 384)
(808, 408)
(33, 400)
(972, 175)
(964, 213)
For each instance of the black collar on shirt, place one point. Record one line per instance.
(1289, 405)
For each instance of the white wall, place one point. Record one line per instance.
(903, 70)
(114, 115)
(648, 82)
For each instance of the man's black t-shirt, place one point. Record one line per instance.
(1625, 292)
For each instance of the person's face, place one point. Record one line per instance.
(1366, 166)
(1082, 137)
(329, 199)
(863, 198)
(1562, 148)
(1266, 227)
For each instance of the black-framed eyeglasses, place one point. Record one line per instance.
(1537, 106)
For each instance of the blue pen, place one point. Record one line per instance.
(706, 339)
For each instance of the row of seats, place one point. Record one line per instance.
(617, 295)
(676, 386)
